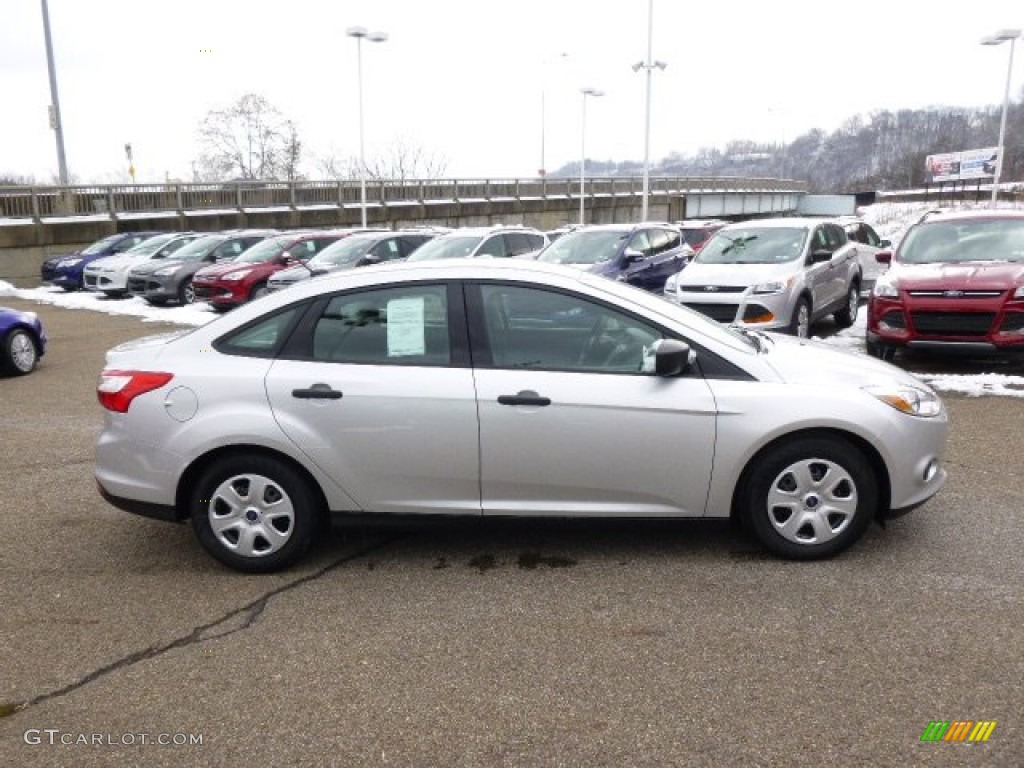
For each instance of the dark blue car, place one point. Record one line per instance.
(644, 255)
(66, 270)
(22, 341)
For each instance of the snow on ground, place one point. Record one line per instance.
(197, 314)
(890, 220)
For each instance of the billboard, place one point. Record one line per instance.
(960, 166)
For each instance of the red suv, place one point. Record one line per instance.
(696, 232)
(956, 284)
(244, 278)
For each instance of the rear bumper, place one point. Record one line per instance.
(142, 508)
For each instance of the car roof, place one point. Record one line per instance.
(974, 214)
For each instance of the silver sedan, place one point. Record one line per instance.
(504, 388)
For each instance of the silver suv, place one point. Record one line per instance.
(773, 274)
(496, 242)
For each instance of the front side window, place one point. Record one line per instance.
(494, 247)
(641, 242)
(407, 326)
(532, 328)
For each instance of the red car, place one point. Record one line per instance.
(235, 282)
(956, 284)
(696, 232)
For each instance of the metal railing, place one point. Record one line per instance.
(40, 203)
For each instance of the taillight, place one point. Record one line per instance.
(117, 389)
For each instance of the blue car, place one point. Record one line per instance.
(66, 270)
(22, 341)
(644, 255)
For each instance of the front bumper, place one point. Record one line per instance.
(63, 277)
(153, 286)
(992, 328)
(107, 282)
(741, 306)
(224, 293)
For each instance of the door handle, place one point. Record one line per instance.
(526, 397)
(317, 392)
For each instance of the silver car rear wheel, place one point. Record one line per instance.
(254, 512)
(809, 497)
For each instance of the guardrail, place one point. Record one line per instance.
(39, 203)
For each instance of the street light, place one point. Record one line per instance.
(543, 112)
(55, 121)
(583, 142)
(999, 38)
(374, 37)
(649, 66)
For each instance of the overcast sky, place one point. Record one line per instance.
(463, 78)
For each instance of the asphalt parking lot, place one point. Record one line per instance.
(510, 644)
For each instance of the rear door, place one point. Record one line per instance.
(375, 387)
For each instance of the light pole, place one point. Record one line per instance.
(583, 143)
(649, 66)
(374, 37)
(543, 113)
(999, 38)
(55, 121)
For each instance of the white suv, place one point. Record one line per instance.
(483, 242)
(773, 274)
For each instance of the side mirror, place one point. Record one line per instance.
(885, 243)
(672, 357)
(631, 254)
(820, 255)
(370, 258)
(884, 257)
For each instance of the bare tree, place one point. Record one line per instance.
(250, 139)
(401, 160)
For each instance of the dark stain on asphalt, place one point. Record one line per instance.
(7, 709)
(530, 560)
(441, 563)
(483, 563)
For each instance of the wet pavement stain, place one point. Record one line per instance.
(441, 563)
(530, 560)
(7, 709)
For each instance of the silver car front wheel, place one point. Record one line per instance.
(810, 497)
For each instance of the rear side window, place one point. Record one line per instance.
(391, 326)
(261, 338)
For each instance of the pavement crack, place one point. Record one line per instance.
(238, 620)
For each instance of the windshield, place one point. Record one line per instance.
(585, 247)
(456, 247)
(264, 251)
(197, 249)
(102, 245)
(754, 245)
(975, 240)
(347, 251)
(152, 245)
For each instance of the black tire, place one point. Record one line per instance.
(800, 326)
(881, 351)
(19, 352)
(809, 498)
(846, 316)
(186, 293)
(260, 534)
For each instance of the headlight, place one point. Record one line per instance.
(670, 284)
(915, 401)
(776, 286)
(886, 290)
(237, 275)
(69, 262)
(166, 271)
(1019, 293)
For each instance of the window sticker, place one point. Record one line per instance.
(406, 321)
